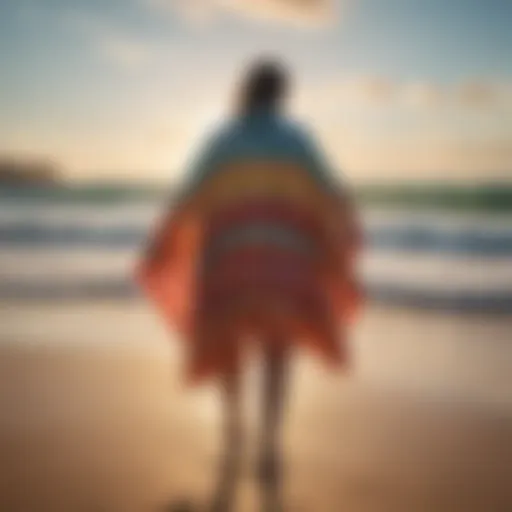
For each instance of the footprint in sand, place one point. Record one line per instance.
(180, 506)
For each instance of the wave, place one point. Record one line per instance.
(83, 245)
(416, 238)
(84, 194)
(143, 214)
(430, 273)
(488, 197)
(484, 197)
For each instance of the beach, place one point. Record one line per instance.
(238, 128)
(95, 416)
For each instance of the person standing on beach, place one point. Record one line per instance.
(259, 251)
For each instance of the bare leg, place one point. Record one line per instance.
(223, 500)
(276, 367)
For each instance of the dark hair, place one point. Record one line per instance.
(266, 85)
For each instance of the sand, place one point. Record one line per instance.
(94, 417)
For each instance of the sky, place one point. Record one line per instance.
(395, 89)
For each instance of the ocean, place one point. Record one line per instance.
(421, 249)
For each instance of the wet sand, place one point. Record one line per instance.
(94, 418)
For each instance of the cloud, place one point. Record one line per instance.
(420, 155)
(125, 50)
(348, 91)
(422, 94)
(374, 91)
(305, 13)
(130, 54)
(302, 12)
(477, 94)
(193, 11)
(373, 124)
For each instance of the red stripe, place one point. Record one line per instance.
(252, 266)
(289, 280)
(251, 253)
(228, 306)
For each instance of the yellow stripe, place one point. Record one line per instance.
(269, 180)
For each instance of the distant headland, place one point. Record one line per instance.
(29, 171)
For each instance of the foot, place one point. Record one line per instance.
(269, 470)
(270, 476)
(224, 496)
(222, 503)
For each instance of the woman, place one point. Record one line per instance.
(259, 250)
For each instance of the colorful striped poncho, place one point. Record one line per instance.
(260, 246)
